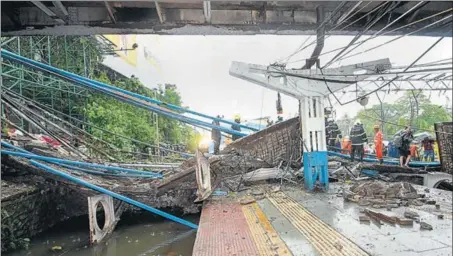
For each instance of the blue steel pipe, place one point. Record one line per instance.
(392, 162)
(90, 85)
(151, 175)
(114, 195)
(64, 161)
(170, 106)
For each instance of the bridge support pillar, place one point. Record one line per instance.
(97, 234)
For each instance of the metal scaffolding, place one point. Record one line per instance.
(78, 54)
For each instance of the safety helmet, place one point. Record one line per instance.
(358, 121)
(237, 117)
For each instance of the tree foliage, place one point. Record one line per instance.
(140, 124)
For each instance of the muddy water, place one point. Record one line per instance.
(135, 235)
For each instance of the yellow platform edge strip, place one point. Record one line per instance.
(325, 239)
(264, 235)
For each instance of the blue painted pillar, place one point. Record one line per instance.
(313, 127)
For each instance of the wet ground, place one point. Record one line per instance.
(135, 235)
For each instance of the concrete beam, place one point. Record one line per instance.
(61, 7)
(110, 11)
(207, 11)
(160, 13)
(48, 12)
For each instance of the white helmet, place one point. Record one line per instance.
(358, 121)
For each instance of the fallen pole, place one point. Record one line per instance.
(114, 195)
(64, 161)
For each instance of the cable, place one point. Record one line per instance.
(313, 42)
(391, 31)
(392, 40)
(378, 32)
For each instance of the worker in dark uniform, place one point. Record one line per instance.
(236, 127)
(333, 133)
(358, 139)
(216, 136)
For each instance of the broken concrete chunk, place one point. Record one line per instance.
(440, 216)
(247, 200)
(425, 226)
(257, 192)
(431, 202)
(437, 206)
(411, 214)
(427, 190)
(363, 218)
(416, 202)
(364, 202)
(405, 222)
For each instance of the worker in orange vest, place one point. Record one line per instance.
(346, 145)
(378, 143)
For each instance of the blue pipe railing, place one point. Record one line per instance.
(391, 162)
(5, 144)
(114, 195)
(26, 61)
(64, 161)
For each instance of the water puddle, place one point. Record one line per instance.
(141, 235)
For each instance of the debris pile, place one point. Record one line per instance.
(378, 194)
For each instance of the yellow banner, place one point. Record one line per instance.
(124, 47)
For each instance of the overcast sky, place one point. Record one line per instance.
(199, 66)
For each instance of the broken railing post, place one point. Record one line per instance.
(113, 194)
(203, 174)
(97, 234)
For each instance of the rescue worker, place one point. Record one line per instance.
(406, 140)
(413, 151)
(358, 140)
(346, 145)
(216, 136)
(332, 131)
(428, 149)
(378, 143)
(236, 127)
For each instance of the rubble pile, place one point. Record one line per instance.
(378, 194)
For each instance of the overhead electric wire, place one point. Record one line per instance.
(397, 38)
(387, 32)
(368, 26)
(385, 84)
(301, 48)
(378, 32)
(324, 22)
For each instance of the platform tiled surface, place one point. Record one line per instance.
(223, 230)
(299, 223)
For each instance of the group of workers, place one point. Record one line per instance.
(354, 144)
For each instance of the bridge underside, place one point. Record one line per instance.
(215, 18)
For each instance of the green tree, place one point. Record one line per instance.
(397, 115)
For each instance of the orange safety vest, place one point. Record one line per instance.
(378, 144)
